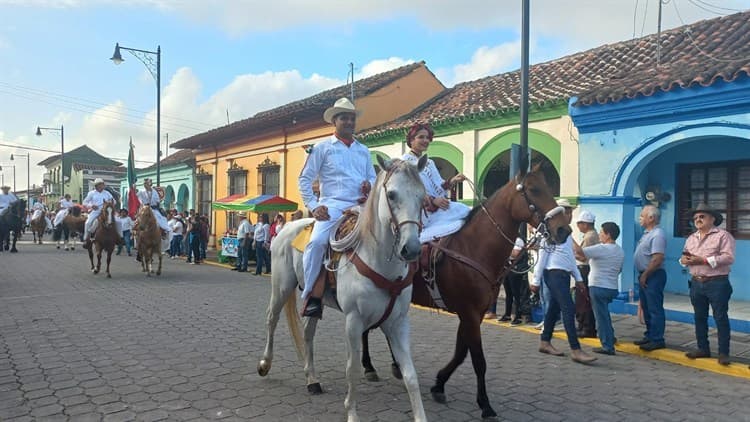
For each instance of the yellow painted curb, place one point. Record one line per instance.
(676, 357)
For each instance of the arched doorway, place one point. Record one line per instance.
(169, 198)
(498, 172)
(448, 170)
(183, 198)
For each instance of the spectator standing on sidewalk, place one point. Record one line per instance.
(178, 228)
(709, 253)
(125, 226)
(584, 312)
(194, 240)
(262, 236)
(204, 235)
(606, 260)
(649, 262)
(245, 240)
(554, 268)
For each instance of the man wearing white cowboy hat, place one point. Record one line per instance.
(94, 202)
(6, 199)
(150, 196)
(345, 171)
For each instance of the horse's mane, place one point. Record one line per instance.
(367, 218)
(146, 218)
(75, 211)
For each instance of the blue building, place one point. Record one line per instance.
(674, 132)
(177, 174)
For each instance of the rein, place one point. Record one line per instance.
(395, 224)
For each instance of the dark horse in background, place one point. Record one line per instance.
(105, 238)
(12, 221)
(474, 264)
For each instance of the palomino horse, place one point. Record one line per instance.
(38, 227)
(12, 221)
(70, 229)
(387, 240)
(148, 239)
(475, 263)
(105, 238)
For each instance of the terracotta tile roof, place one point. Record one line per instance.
(310, 108)
(181, 156)
(607, 73)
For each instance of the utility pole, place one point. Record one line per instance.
(658, 37)
(524, 106)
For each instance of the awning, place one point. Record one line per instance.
(259, 204)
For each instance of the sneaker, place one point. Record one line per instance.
(516, 321)
(539, 326)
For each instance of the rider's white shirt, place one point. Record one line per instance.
(64, 203)
(6, 200)
(150, 198)
(97, 198)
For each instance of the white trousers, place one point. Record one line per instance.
(312, 259)
(60, 216)
(91, 223)
(37, 214)
(444, 222)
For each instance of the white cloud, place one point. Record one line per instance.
(487, 61)
(381, 65)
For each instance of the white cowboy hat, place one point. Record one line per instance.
(563, 202)
(342, 105)
(586, 217)
(98, 180)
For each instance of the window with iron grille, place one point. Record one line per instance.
(724, 186)
(205, 185)
(237, 180)
(268, 177)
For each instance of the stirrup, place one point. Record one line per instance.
(313, 308)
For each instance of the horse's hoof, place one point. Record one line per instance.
(72, 249)
(438, 395)
(109, 275)
(372, 376)
(315, 389)
(396, 372)
(489, 415)
(14, 250)
(96, 271)
(264, 366)
(158, 273)
(58, 247)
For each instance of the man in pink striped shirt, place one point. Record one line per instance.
(709, 253)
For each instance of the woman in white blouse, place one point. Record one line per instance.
(444, 216)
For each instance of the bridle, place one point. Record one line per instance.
(394, 223)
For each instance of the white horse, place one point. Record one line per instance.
(387, 241)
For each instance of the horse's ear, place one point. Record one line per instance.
(536, 167)
(422, 163)
(384, 164)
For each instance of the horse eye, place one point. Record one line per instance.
(392, 196)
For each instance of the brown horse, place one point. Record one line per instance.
(148, 240)
(474, 264)
(72, 226)
(38, 227)
(105, 238)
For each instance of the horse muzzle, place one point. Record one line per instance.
(411, 250)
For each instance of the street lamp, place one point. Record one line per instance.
(14, 176)
(146, 58)
(61, 129)
(28, 172)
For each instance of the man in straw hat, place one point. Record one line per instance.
(94, 202)
(343, 167)
(709, 253)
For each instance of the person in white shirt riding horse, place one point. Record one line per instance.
(63, 208)
(94, 202)
(6, 199)
(150, 196)
(346, 174)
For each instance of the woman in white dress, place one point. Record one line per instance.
(444, 216)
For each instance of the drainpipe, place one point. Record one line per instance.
(214, 186)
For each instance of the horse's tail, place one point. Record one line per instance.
(295, 325)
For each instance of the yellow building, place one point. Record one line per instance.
(264, 154)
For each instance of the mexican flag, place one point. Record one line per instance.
(133, 202)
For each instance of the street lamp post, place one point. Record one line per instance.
(61, 129)
(146, 58)
(28, 172)
(14, 176)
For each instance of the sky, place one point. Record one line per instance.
(225, 60)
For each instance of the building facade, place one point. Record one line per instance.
(177, 178)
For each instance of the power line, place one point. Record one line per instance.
(23, 147)
(98, 103)
(635, 13)
(706, 6)
(689, 33)
(645, 13)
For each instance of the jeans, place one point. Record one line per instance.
(203, 247)
(601, 297)
(558, 282)
(128, 240)
(261, 258)
(176, 246)
(243, 254)
(652, 302)
(715, 293)
(193, 250)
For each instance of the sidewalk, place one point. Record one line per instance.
(679, 334)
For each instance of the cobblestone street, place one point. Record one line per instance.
(184, 346)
